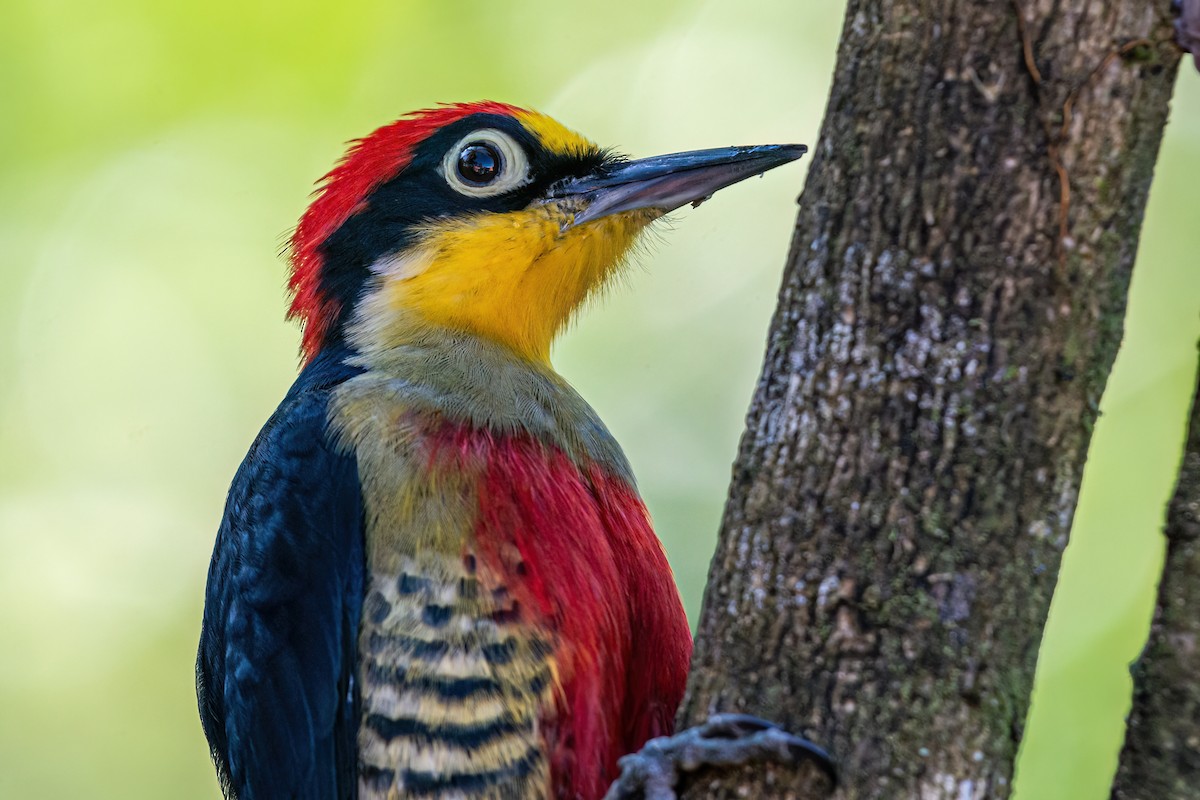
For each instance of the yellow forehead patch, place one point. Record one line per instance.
(554, 136)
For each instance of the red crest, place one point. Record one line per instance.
(369, 162)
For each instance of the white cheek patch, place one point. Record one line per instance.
(401, 266)
(376, 313)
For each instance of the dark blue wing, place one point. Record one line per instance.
(275, 671)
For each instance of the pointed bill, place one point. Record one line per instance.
(665, 183)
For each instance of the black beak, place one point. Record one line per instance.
(665, 183)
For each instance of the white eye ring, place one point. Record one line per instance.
(513, 164)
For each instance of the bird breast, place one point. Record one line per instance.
(454, 684)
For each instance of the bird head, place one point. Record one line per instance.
(483, 219)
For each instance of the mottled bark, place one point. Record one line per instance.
(759, 781)
(1161, 759)
(948, 317)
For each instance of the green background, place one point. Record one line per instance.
(153, 157)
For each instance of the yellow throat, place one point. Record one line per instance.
(514, 278)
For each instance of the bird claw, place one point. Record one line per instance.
(725, 740)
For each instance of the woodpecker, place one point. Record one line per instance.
(435, 576)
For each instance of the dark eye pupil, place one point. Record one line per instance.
(479, 164)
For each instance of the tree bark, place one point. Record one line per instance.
(1161, 758)
(949, 313)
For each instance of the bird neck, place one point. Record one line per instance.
(474, 381)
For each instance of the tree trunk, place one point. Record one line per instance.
(949, 313)
(1161, 758)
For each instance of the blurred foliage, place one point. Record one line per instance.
(152, 158)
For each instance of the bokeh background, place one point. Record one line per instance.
(154, 155)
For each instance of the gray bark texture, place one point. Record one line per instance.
(1161, 758)
(949, 313)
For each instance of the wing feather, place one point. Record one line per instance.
(275, 669)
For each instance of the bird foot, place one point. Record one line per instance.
(726, 740)
(1187, 26)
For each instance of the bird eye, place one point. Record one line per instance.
(479, 163)
(486, 163)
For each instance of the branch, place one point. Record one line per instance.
(913, 451)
